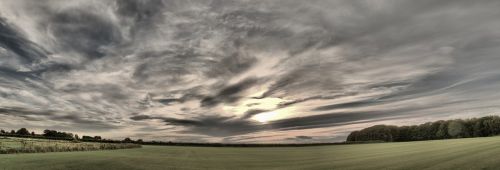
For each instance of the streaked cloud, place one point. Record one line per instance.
(244, 71)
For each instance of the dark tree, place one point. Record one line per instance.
(97, 137)
(456, 129)
(87, 138)
(50, 133)
(442, 132)
(2, 131)
(476, 127)
(352, 136)
(128, 140)
(23, 131)
(56, 134)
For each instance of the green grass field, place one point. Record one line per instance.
(471, 153)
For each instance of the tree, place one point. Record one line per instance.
(128, 140)
(97, 137)
(455, 129)
(352, 136)
(87, 138)
(33, 133)
(139, 141)
(56, 134)
(494, 125)
(23, 131)
(2, 131)
(404, 133)
(12, 132)
(49, 133)
(476, 127)
(442, 132)
(468, 128)
(434, 129)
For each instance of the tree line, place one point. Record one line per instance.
(58, 135)
(449, 129)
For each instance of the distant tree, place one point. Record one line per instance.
(2, 131)
(97, 137)
(456, 129)
(76, 137)
(33, 133)
(128, 140)
(415, 133)
(434, 129)
(56, 134)
(139, 141)
(442, 132)
(404, 133)
(491, 125)
(479, 128)
(476, 127)
(23, 131)
(351, 137)
(87, 138)
(49, 133)
(468, 128)
(12, 132)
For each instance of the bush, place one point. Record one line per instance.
(42, 145)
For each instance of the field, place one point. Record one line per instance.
(9, 145)
(471, 153)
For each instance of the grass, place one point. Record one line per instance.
(470, 153)
(27, 145)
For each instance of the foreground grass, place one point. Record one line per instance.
(471, 153)
(10, 145)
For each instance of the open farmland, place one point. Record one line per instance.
(28, 145)
(470, 153)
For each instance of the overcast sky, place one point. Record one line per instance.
(245, 71)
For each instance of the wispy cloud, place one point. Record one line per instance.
(244, 71)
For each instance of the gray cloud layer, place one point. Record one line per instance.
(245, 71)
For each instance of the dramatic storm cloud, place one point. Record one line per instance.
(247, 70)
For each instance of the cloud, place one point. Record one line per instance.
(228, 94)
(54, 115)
(345, 105)
(83, 32)
(253, 112)
(17, 52)
(303, 137)
(206, 70)
(217, 126)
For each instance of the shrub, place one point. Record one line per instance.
(42, 145)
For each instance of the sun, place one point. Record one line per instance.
(274, 115)
(265, 117)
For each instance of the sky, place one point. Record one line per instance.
(245, 71)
